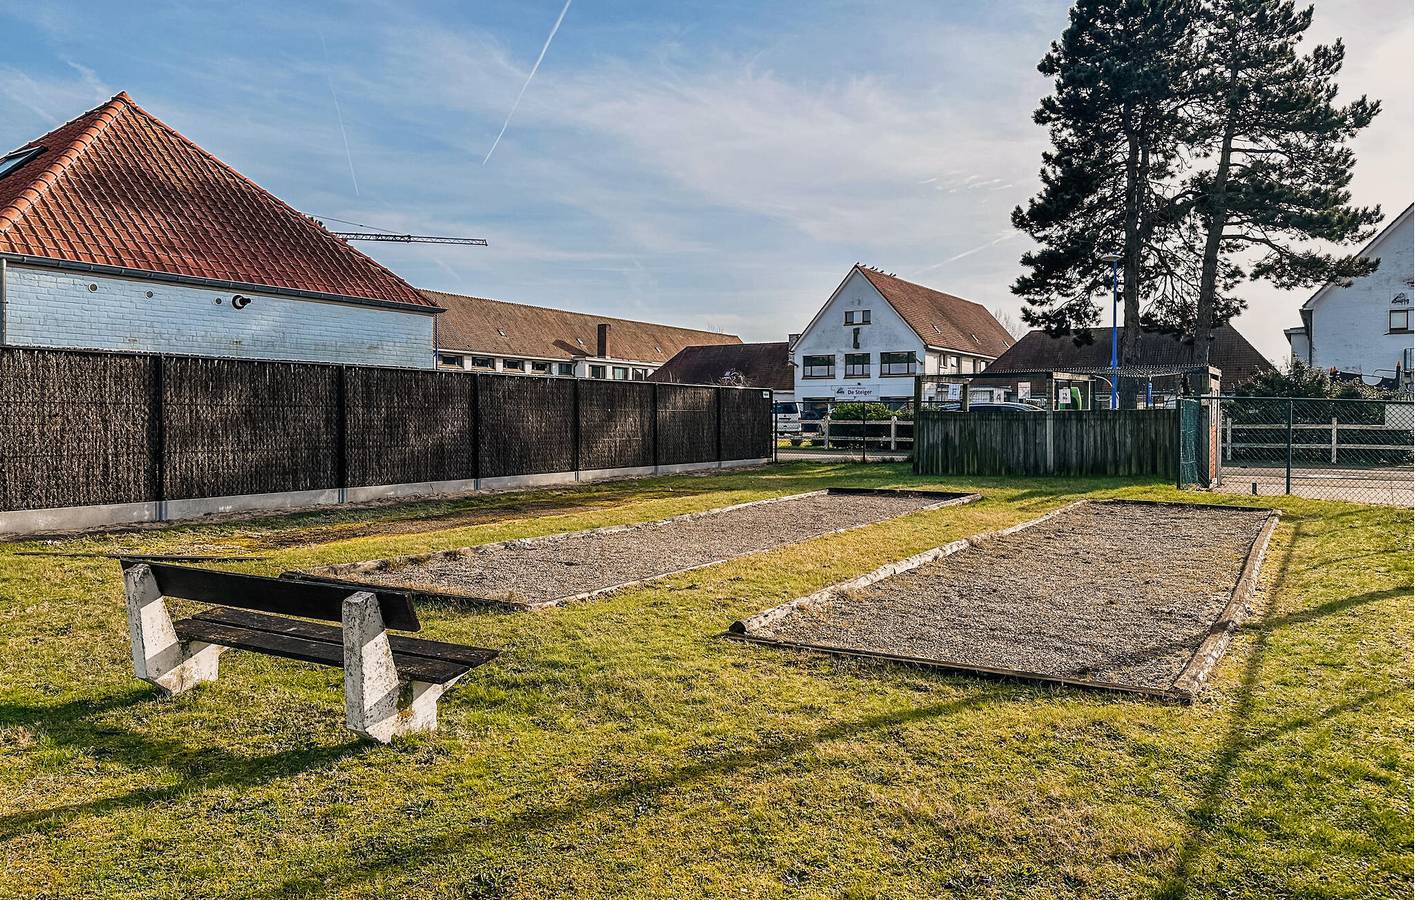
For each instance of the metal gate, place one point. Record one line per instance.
(1191, 444)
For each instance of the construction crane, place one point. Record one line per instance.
(407, 238)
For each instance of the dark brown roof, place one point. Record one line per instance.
(1037, 351)
(117, 187)
(942, 320)
(760, 365)
(478, 325)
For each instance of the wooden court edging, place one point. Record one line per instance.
(1185, 688)
(342, 572)
(1211, 649)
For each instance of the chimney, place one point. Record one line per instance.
(601, 348)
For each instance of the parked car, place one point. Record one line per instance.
(991, 406)
(788, 418)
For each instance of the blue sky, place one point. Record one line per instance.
(715, 164)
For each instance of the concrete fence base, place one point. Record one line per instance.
(79, 518)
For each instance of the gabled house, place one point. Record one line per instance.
(1364, 329)
(118, 233)
(762, 365)
(878, 331)
(496, 336)
(1162, 352)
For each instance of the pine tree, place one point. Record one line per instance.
(1266, 117)
(1115, 125)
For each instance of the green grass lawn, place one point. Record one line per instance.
(621, 748)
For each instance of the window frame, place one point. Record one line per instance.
(483, 362)
(885, 368)
(513, 365)
(807, 366)
(540, 367)
(565, 370)
(857, 317)
(857, 369)
(597, 372)
(1390, 321)
(442, 361)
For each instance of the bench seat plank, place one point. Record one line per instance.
(417, 668)
(332, 634)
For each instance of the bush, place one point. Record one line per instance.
(854, 412)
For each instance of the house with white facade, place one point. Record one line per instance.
(481, 335)
(118, 233)
(1364, 329)
(877, 332)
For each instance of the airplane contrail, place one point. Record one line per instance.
(554, 28)
(339, 114)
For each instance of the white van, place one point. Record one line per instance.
(787, 414)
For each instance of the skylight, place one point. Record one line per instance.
(12, 161)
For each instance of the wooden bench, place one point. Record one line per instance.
(391, 683)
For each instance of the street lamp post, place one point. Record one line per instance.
(1114, 260)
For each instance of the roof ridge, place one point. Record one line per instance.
(307, 220)
(104, 115)
(572, 312)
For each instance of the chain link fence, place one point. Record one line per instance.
(869, 431)
(1357, 450)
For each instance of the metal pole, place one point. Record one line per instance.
(1289, 446)
(1114, 333)
(862, 432)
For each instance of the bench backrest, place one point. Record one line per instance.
(285, 596)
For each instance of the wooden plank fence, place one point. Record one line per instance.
(1071, 442)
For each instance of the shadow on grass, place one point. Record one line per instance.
(78, 725)
(414, 850)
(1204, 818)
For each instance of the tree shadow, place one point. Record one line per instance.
(1204, 817)
(78, 724)
(415, 850)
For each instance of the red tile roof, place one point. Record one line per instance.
(942, 320)
(117, 187)
(499, 328)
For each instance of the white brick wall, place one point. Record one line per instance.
(55, 308)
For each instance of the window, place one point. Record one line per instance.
(641, 374)
(483, 362)
(857, 365)
(565, 369)
(449, 361)
(855, 339)
(13, 161)
(596, 371)
(901, 363)
(513, 365)
(621, 373)
(952, 364)
(540, 368)
(857, 317)
(1399, 321)
(982, 364)
(818, 366)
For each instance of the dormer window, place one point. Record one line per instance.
(12, 161)
(857, 317)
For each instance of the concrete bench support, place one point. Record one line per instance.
(159, 658)
(377, 703)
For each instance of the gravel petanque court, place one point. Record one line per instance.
(536, 572)
(1134, 596)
